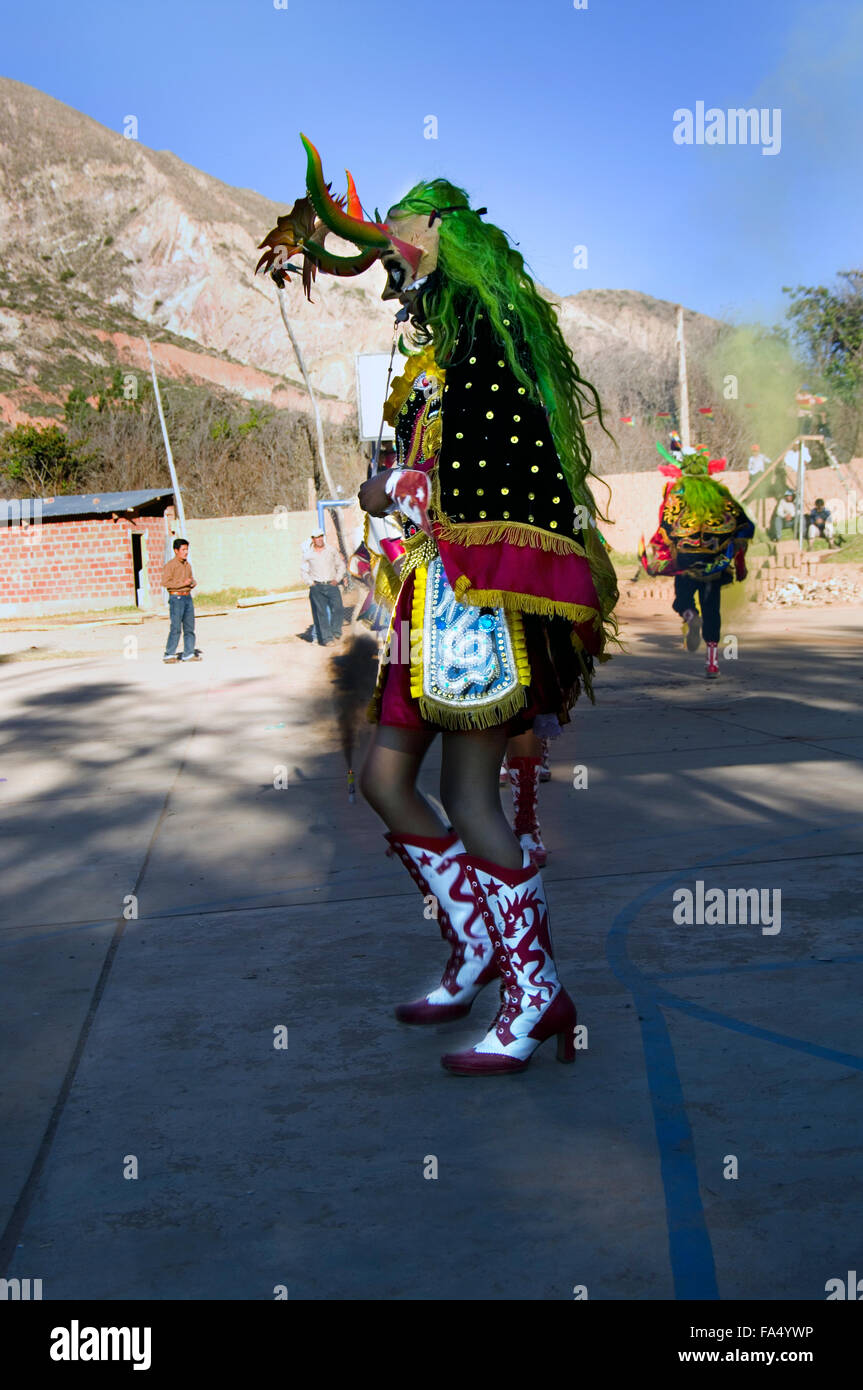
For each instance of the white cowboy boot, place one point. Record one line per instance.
(436, 866)
(534, 1005)
(524, 775)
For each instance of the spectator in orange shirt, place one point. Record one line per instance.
(178, 579)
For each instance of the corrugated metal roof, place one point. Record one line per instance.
(92, 504)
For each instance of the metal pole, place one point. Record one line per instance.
(801, 469)
(181, 515)
(319, 429)
(684, 385)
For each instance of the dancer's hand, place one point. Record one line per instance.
(412, 492)
(373, 497)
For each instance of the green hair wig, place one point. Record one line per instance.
(481, 272)
(702, 494)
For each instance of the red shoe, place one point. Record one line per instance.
(524, 775)
(436, 867)
(711, 670)
(534, 1005)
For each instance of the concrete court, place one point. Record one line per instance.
(153, 1037)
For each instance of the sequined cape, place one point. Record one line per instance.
(703, 546)
(503, 518)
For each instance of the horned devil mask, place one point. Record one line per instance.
(406, 244)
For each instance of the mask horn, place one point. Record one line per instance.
(355, 207)
(351, 228)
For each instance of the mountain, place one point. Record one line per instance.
(104, 241)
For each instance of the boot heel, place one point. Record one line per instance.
(566, 1046)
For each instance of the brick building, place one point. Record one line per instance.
(65, 554)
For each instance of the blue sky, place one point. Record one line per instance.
(559, 120)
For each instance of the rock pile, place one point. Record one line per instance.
(814, 591)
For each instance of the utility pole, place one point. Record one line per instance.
(801, 482)
(684, 386)
(181, 515)
(319, 429)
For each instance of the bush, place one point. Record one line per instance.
(45, 461)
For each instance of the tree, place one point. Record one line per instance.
(827, 325)
(77, 409)
(45, 461)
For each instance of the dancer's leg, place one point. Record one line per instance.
(388, 780)
(432, 855)
(684, 594)
(525, 746)
(709, 596)
(470, 792)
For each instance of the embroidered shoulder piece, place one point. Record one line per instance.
(414, 409)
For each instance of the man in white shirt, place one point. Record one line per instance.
(757, 461)
(323, 569)
(792, 458)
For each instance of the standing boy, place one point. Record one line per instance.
(178, 579)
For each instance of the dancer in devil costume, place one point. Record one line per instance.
(701, 539)
(502, 599)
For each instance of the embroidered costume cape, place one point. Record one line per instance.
(504, 544)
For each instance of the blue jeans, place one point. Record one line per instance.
(182, 613)
(327, 611)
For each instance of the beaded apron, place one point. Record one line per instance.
(469, 665)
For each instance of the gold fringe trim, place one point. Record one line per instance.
(515, 532)
(524, 603)
(387, 583)
(417, 627)
(475, 718)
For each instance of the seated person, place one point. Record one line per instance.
(819, 523)
(784, 515)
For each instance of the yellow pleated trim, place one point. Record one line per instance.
(417, 627)
(516, 533)
(515, 624)
(525, 603)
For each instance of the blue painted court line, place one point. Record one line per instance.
(752, 1030)
(690, 1250)
(755, 969)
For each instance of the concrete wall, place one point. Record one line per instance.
(633, 508)
(258, 552)
(635, 499)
